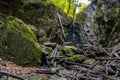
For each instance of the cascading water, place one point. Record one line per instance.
(75, 34)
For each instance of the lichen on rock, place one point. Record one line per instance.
(21, 43)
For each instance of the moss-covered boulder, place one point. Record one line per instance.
(77, 58)
(65, 51)
(19, 43)
(41, 13)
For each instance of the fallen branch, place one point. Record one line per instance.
(11, 75)
(61, 26)
(107, 58)
(1, 22)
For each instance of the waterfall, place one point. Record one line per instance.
(75, 34)
(73, 30)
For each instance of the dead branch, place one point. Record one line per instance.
(1, 22)
(11, 75)
(62, 28)
(107, 58)
(54, 54)
(50, 44)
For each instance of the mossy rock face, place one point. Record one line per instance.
(44, 16)
(65, 51)
(78, 59)
(108, 20)
(41, 13)
(21, 43)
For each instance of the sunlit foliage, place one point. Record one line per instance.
(69, 7)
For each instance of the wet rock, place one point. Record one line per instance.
(19, 43)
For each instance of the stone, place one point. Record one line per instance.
(19, 43)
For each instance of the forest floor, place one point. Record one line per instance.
(102, 66)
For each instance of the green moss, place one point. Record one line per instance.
(66, 51)
(22, 46)
(43, 15)
(76, 58)
(35, 78)
(17, 24)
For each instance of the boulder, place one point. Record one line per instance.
(19, 43)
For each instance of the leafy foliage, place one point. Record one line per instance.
(69, 7)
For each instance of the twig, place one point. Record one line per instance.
(1, 22)
(105, 51)
(50, 44)
(115, 54)
(107, 58)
